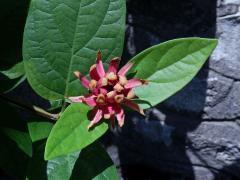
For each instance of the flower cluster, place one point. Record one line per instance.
(108, 91)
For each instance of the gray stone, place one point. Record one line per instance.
(237, 2)
(226, 56)
(227, 10)
(216, 144)
(207, 147)
(218, 87)
(228, 108)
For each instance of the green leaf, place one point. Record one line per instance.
(70, 133)
(169, 67)
(22, 139)
(63, 36)
(12, 77)
(39, 130)
(15, 72)
(94, 163)
(61, 167)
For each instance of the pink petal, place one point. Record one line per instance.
(93, 72)
(90, 101)
(76, 99)
(102, 91)
(132, 105)
(110, 96)
(134, 83)
(84, 80)
(120, 115)
(99, 66)
(113, 65)
(125, 69)
(96, 119)
(102, 82)
(108, 111)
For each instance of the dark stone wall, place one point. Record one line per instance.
(195, 134)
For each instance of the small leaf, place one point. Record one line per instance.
(22, 139)
(70, 133)
(15, 72)
(169, 67)
(39, 130)
(61, 37)
(61, 167)
(94, 163)
(12, 77)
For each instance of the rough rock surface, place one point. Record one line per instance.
(196, 133)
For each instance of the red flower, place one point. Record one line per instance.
(108, 91)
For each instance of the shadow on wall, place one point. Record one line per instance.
(159, 146)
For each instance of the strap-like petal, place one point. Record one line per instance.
(113, 65)
(76, 99)
(99, 65)
(134, 83)
(97, 117)
(132, 105)
(90, 100)
(123, 71)
(85, 82)
(120, 115)
(93, 72)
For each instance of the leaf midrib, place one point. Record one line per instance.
(72, 53)
(73, 43)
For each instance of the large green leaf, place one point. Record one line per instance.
(94, 163)
(39, 130)
(63, 36)
(61, 167)
(70, 133)
(169, 67)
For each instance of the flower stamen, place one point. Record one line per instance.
(111, 76)
(92, 84)
(119, 98)
(118, 87)
(100, 99)
(123, 80)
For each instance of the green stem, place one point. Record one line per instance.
(64, 106)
